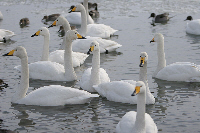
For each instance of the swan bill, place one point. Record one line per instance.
(36, 34)
(54, 24)
(10, 53)
(136, 91)
(80, 37)
(142, 59)
(73, 9)
(152, 40)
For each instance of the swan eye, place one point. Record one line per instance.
(57, 20)
(140, 56)
(75, 33)
(95, 45)
(41, 30)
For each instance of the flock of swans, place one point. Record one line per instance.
(93, 39)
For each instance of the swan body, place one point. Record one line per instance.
(95, 75)
(47, 70)
(75, 17)
(58, 55)
(5, 35)
(53, 95)
(137, 122)
(94, 30)
(119, 91)
(82, 45)
(193, 27)
(179, 71)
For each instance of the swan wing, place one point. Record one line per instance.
(55, 95)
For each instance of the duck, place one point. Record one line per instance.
(178, 71)
(75, 17)
(161, 18)
(1, 16)
(137, 122)
(5, 35)
(119, 91)
(193, 26)
(51, 17)
(82, 45)
(94, 13)
(90, 5)
(94, 75)
(58, 55)
(53, 95)
(24, 22)
(62, 31)
(93, 30)
(47, 70)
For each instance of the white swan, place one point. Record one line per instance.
(5, 35)
(47, 70)
(82, 45)
(58, 55)
(137, 122)
(179, 71)
(193, 27)
(119, 91)
(95, 75)
(93, 30)
(75, 17)
(53, 95)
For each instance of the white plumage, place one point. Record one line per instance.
(53, 95)
(179, 71)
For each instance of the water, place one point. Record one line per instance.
(176, 108)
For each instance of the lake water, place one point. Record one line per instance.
(177, 104)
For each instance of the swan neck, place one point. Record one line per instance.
(85, 4)
(95, 76)
(68, 65)
(24, 82)
(161, 56)
(143, 73)
(45, 54)
(140, 117)
(83, 22)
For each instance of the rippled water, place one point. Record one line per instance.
(177, 104)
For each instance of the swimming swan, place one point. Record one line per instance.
(137, 122)
(94, 75)
(179, 71)
(82, 45)
(53, 95)
(119, 91)
(58, 55)
(75, 17)
(193, 27)
(93, 30)
(5, 35)
(47, 70)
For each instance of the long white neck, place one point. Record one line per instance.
(85, 4)
(83, 22)
(140, 117)
(45, 53)
(143, 76)
(24, 83)
(69, 70)
(95, 77)
(66, 27)
(161, 57)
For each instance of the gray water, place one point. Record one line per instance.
(177, 103)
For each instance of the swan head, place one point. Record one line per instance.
(189, 18)
(19, 51)
(143, 58)
(157, 38)
(73, 35)
(77, 8)
(94, 46)
(140, 88)
(42, 31)
(58, 21)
